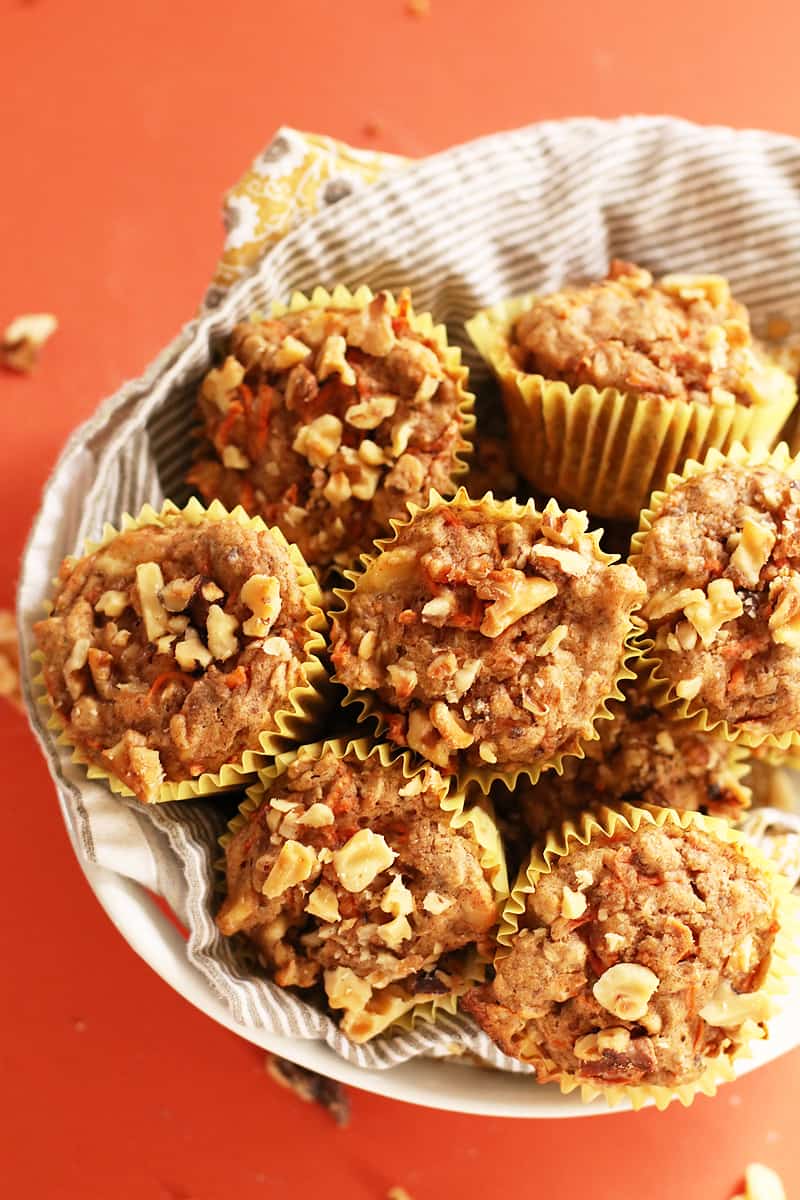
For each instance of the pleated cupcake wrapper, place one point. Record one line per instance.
(606, 450)
(606, 824)
(305, 703)
(658, 688)
(369, 707)
(393, 1005)
(422, 324)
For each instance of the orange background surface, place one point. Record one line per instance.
(121, 128)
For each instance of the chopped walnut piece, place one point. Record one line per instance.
(149, 583)
(346, 990)
(436, 904)
(395, 932)
(371, 329)
(407, 475)
(311, 1087)
(290, 352)
(146, 766)
(333, 360)
(368, 414)
(719, 606)
(222, 381)
(262, 595)
(221, 628)
(625, 989)
(234, 458)
(337, 490)
(714, 288)
(319, 440)
(573, 904)
(191, 653)
(570, 561)
(397, 899)
(519, 596)
(728, 1009)
(552, 641)
(295, 864)
(361, 859)
(687, 689)
(178, 593)
(753, 551)
(784, 623)
(448, 725)
(437, 610)
(671, 602)
(24, 339)
(112, 603)
(323, 903)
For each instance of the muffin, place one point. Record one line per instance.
(181, 648)
(352, 870)
(641, 757)
(487, 635)
(328, 417)
(610, 386)
(638, 956)
(719, 554)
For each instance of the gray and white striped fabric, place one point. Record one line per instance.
(513, 212)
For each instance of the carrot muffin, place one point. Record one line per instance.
(684, 337)
(351, 874)
(720, 557)
(172, 647)
(641, 757)
(490, 634)
(326, 421)
(639, 958)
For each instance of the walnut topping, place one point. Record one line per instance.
(624, 990)
(337, 490)
(436, 904)
(573, 904)
(419, 737)
(112, 603)
(714, 288)
(178, 624)
(570, 561)
(366, 647)
(784, 624)
(753, 551)
(146, 766)
(717, 343)
(552, 641)
(371, 453)
(403, 679)
(323, 903)
(290, 352)
(425, 358)
(191, 652)
(234, 458)
(395, 932)
(687, 689)
(219, 383)
(728, 1009)
(518, 597)
(487, 751)
(401, 436)
(77, 660)
(397, 899)
(407, 475)
(594, 1045)
(371, 329)
(332, 360)
(368, 414)
(177, 594)
(262, 595)
(452, 731)
(149, 582)
(317, 816)
(276, 646)
(614, 941)
(294, 864)
(712, 612)
(465, 676)
(346, 990)
(365, 484)
(437, 610)
(426, 390)
(319, 440)
(361, 859)
(671, 602)
(221, 629)
(24, 338)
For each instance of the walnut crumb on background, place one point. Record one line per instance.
(23, 340)
(311, 1087)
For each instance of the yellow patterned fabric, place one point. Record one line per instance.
(298, 174)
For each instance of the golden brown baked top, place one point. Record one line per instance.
(681, 338)
(487, 637)
(326, 422)
(722, 569)
(638, 958)
(350, 874)
(169, 649)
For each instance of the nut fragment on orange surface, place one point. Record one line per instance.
(23, 340)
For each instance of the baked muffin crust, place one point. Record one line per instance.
(328, 421)
(681, 338)
(169, 649)
(491, 636)
(639, 958)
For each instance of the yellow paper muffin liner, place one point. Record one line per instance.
(369, 707)
(304, 704)
(606, 823)
(658, 688)
(392, 1006)
(606, 451)
(424, 326)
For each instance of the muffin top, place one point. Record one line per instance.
(683, 338)
(169, 649)
(722, 568)
(638, 958)
(350, 873)
(490, 635)
(327, 421)
(641, 757)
